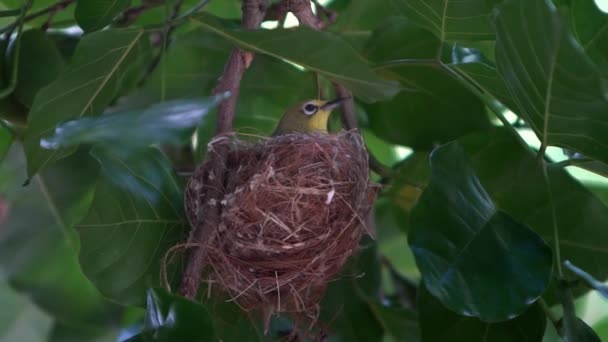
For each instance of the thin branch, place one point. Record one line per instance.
(254, 12)
(52, 9)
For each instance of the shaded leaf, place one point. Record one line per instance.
(590, 26)
(168, 122)
(332, 57)
(468, 250)
(437, 323)
(436, 108)
(584, 332)
(136, 216)
(173, 318)
(460, 20)
(40, 62)
(514, 178)
(97, 74)
(558, 89)
(399, 323)
(37, 243)
(92, 15)
(6, 139)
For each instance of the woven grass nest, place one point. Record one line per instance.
(294, 210)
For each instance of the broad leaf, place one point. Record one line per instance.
(399, 324)
(168, 122)
(136, 216)
(93, 15)
(468, 250)
(514, 178)
(558, 89)
(173, 318)
(40, 62)
(99, 70)
(20, 319)
(583, 332)
(436, 108)
(318, 51)
(461, 20)
(590, 26)
(37, 243)
(440, 324)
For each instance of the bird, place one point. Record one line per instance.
(307, 117)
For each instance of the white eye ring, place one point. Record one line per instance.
(309, 108)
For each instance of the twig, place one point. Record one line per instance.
(52, 9)
(253, 13)
(130, 15)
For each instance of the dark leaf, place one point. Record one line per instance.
(436, 108)
(512, 175)
(172, 318)
(97, 74)
(468, 250)
(318, 51)
(438, 324)
(40, 62)
(558, 89)
(136, 216)
(590, 26)
(93, 15)
(6, 139)
(584, 333)
(399, 324)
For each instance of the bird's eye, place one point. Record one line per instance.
(309, 109)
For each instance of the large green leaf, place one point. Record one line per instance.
(318, 51)
(590, 26)
(172, 318)
(40, 62)
(557, 88)
(20, 319)
(93, 15)
(98, 72)
(436, 108)
(136, 216)
(468, 250)
(37, 244)
(169, 122)
(514, 178)
(461, 20)
(439, 324)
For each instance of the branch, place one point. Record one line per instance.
(52, 9)
(253, 13)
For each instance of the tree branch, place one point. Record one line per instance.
(51, 10)
(254, 12)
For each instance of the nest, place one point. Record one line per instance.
(294, 210)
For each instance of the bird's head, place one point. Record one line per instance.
(307, 117)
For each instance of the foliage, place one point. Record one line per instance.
(488, 227)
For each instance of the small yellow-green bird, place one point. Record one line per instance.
(307, 117)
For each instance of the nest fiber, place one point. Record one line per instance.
(294, 210)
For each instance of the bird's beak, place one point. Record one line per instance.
(331, 105)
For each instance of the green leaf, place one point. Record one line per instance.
(40, 62)
(6, 139)
(512, 175)
(93, 15)
(592, 282)
(436, 109)
(168, 122)
(462, 20)
(322, 52)
(20, 319)
(136, 216)
(590, 26)
(172, 318)
(37, 243)
(95, 77)
(558, 89)
(437, 323)
(468, 250)
(399, 324)
(583, 332)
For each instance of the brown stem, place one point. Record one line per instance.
(254, 12)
